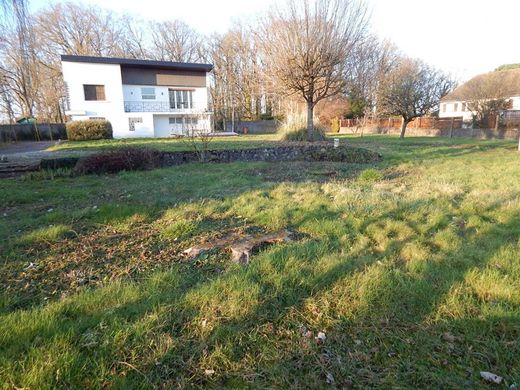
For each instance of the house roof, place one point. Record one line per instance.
(137, 63)
(492, 85)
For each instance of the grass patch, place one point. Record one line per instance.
(45, 234)
(408, 265)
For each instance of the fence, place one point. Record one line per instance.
(444, 127)
(395, 123)
(31, 132)
(254, 127)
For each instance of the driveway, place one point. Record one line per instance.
(24, 147)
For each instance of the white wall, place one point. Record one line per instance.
(76, 74)
(452, 112)
(467, 115)
(163, 127)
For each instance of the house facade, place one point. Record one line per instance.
(140, 98)
(504, 84)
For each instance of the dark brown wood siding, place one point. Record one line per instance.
(164, 77)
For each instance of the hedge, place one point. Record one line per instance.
(89, 130)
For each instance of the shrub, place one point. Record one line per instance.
(89, 130)
(334, 125)
(124, 159)
(294, 128)
(301, 135)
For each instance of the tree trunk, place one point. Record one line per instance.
(310, 121)
(403, 127)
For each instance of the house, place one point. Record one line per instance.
(140, 98)
(503, 84)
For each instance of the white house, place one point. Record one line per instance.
(140, 98)
(498, 84)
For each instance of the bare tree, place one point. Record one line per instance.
(370, 61)
(411, 90)
(307, 44)
(238, 87)
(174, 40)
(18, 57)
(196, 137)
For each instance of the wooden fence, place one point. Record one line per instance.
(508, 127)
(395, 123)
(30, 132)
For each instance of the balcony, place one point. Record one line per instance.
(155, 106)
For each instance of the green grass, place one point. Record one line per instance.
(169, 144)
(410, 267)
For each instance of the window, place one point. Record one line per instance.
(181, 99)
(67, 96)
(175, 120)
(444, 108)
(148, 93)
(464, 106)
(455, 107)
(94, 92)
(133, 121)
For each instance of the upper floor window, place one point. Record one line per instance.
(180, 99)
(464, 106)
(148, 93)
(455, 107)
(444, 108)
(94, 92)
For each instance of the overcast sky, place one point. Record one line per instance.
(463, 37)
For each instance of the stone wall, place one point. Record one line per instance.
(313, 152)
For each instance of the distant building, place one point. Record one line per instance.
(504, 84)
(140, 98)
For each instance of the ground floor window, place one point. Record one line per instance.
(133, 121)
(187, 120)
(175, 120)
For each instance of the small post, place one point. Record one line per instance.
(336, 142)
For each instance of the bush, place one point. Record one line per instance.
(294, 128)
(334, 125)
(89, 130)
(124, 159)
(301, 135)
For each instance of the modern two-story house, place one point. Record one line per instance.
(141, 98)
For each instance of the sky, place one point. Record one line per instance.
(462, 37)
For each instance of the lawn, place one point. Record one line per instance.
(409, 267)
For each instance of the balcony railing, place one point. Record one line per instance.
(154, 106)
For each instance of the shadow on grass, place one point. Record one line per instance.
(154, 325)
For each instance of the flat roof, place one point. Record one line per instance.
(135, 63)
